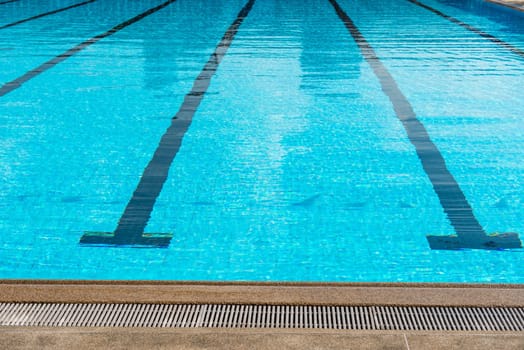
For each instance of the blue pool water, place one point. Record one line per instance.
(296, 166)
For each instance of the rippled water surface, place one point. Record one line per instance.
(296, 166)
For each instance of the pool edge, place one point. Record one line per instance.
(263, 293)
(508, 4)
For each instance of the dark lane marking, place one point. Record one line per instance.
(473, 29)
(15, 84)
(470, 233)
(132, 223)
(46, 14)
(7, 2)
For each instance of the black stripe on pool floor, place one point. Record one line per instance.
(470, 233)
(46, 14)
(15, 84)
(471, 28)
(132, 223)
(7, 2)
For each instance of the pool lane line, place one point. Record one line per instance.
(132, 223)
(7, 2)
(46, 14)
(15, 84)
(469, 232)
(471, 28)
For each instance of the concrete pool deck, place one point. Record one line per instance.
(226, 339)
(409, 294)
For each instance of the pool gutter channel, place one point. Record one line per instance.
(345, 306)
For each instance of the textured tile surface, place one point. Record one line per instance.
(217, 340)
(462, 341)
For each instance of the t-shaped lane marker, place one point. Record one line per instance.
(132, 223)
(469, 232)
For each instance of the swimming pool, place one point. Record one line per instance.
(336, 141)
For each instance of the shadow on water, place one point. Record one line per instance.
(167, 61)
(308, 202)
(321, 61)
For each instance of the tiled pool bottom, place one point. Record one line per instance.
(297, 167)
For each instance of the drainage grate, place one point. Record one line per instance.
(263, 316)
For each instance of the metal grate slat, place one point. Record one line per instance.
(19, 314)
(478, 319)
(487, 317)
(5, 314)
(106, 314)
(127, 315)
(428, 322)
(11, 314)
(353, 320)
(180, 315)
(221, 316)
(39, 317)
(122, 317)
(112, 319)
(59, 311)
(518, 317)
(451, 317)
(470, 321)
(249, 317)
(440, 320)
(211, 316)
(14, 315)
(404, 319)
(511, 320)
(186, 323)
(157, 322)
(90, 315)
(168, 316)
(502, 321)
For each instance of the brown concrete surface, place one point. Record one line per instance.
(199, 339)
(465, 341)
(256, 293)
(515, 4)
(409, 294)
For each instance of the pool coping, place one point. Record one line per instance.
(262, 293)
(516, 5)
